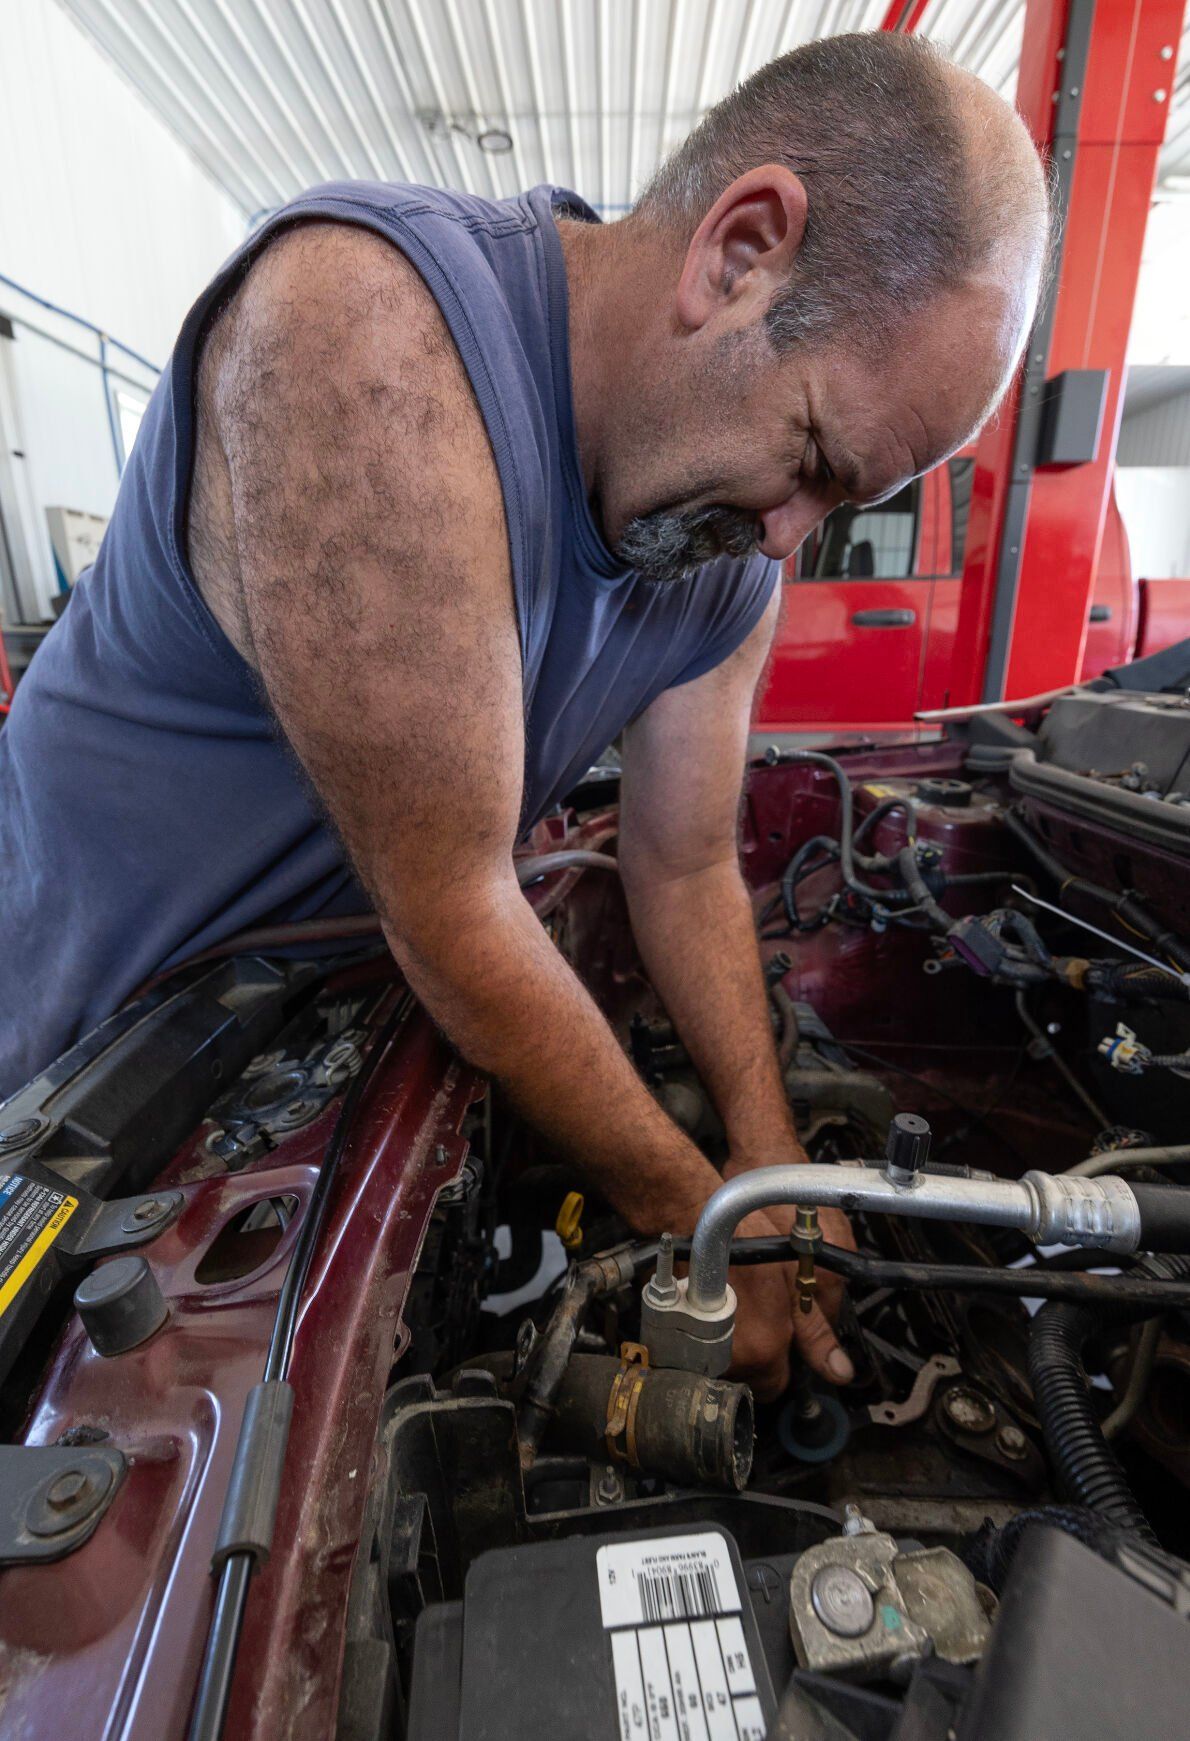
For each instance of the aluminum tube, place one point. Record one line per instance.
(866, 1190)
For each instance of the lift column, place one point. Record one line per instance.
(1096, 77)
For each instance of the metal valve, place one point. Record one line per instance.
(908, 1148)
(806, 1236)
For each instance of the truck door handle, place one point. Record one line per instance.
(1101, 613)
(892, 619)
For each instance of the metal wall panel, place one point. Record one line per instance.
(273, 95)
(1158, 435)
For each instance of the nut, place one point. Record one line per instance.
(968, 1410)
(1011, 1441)
(842, 1601)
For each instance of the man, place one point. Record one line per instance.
(435, 498)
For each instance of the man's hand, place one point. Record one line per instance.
(812, 1331)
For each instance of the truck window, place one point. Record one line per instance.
(961, 473)
(878, 543)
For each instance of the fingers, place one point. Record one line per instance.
(830, 1292)
(836, 1229)
(819, 1349)
(763, 1331)
(768, 1381)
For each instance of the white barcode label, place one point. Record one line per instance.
(679, 1651)
(679, 1595)
(682, 1577)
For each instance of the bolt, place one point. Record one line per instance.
(16, 1136)
(526, 1341)
(969, 1411)
(1166, 52)
(842, 1601)
(1159, 96)
(855, 1523)
(145, 1214)
(69, 1489)
(661, 1289)
(299, 1111)
(262, 1062)
(609, 1489)
(1011, 1441)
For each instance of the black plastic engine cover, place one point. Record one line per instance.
(1079, 1649)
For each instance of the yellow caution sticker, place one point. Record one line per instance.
(32, 1215)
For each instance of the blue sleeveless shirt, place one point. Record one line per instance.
(149, 805)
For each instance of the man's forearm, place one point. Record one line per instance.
(697, 937)
(513, 1006)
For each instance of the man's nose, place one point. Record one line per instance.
(785, 527)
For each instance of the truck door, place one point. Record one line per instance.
(848, 652)
(952, 483)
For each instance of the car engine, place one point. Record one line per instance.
(375, 1422)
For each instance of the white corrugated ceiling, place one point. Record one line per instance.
(273, 95)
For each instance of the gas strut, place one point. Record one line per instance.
(689, 1323)
(254, 1487)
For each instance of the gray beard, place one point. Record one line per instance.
(670, 544)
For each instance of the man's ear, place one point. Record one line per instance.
(745, 247)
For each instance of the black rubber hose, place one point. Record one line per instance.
(1164, 1217)
(989, 1553)
(797, 868)
(1088, 1471)
(816, 759)
(1159, 1290)
(872, 821)
(1124, 904)
(913, 880)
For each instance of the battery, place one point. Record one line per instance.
(644, 1636)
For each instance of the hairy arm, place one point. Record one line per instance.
(691, 912)
(693, 922)
(373, 566)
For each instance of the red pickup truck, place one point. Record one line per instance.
(872, 607)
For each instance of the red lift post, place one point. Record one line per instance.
(1095, 82)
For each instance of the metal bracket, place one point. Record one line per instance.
(118, 1226)
(915, 1405)
(52, 1497)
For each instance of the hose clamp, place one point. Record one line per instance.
(623, 1401)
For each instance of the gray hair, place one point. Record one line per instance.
(896, 214)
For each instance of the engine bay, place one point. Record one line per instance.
(475, 1458)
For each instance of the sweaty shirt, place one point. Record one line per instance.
(149, 803)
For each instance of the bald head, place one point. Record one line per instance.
(918, 179)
